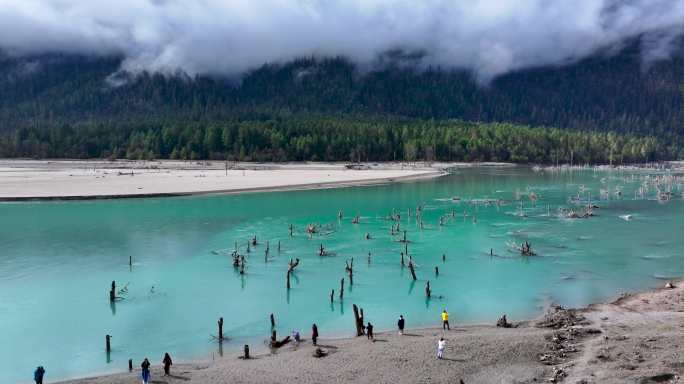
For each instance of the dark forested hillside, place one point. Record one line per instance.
(76, 106)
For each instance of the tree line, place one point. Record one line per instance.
(272, 136)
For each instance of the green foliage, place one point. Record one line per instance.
(265, 136)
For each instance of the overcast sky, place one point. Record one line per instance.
(228, 37)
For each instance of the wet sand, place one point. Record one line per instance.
(636, 339)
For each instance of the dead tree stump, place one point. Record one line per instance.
(358, 321)
(288, 279)
(412, 269)
(292, 265)
(350, 271)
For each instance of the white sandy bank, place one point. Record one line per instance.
(29, 179)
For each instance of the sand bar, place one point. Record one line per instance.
(64, 179)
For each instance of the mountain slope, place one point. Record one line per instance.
(48, 99)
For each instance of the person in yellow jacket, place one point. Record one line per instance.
(445, 320)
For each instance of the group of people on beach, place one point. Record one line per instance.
(441, 344)
(314, 335)
(145, 368)
(145, 374)
(167, 362)
(38, 374)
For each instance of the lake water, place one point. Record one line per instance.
(58, 260)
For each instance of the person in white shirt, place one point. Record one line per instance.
(440, 347)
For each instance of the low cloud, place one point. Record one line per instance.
(218, 37)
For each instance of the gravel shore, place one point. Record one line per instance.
(636, 339)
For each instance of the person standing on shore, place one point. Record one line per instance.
(440, 348)
(167, 363)
(445, 320)
(314, 334)
(38, 375)
(400, 324)
(145, 374)
(369, 331)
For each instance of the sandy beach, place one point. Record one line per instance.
(636, 339)
(64, 179)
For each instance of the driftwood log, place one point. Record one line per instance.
(278, 344)
(503, 322)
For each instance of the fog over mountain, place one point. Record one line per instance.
(216, 37)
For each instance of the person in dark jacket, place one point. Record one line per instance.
(167, 363)
(400, 324)
(38, 375)
(369, 331)
(314, 334)
(145, 374)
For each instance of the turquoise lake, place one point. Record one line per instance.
(58, 260)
